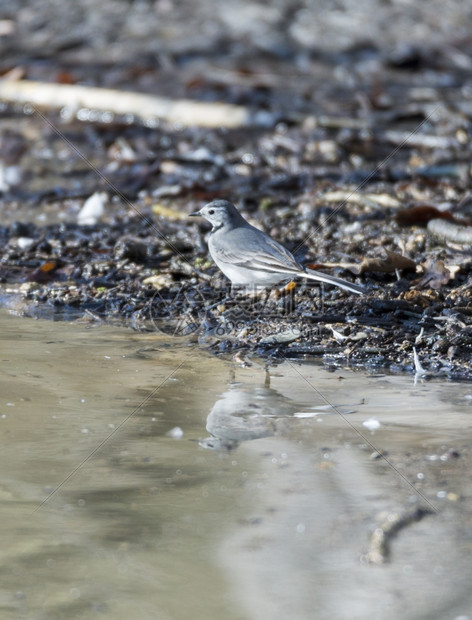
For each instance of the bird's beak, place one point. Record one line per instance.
(194, 214)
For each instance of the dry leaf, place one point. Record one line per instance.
(389, 264)
(369, 200)
(44, 273)
(420, 215)
(49, 265)
(354, 268)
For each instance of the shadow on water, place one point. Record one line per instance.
(142, 520)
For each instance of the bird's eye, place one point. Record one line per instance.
(211, 211)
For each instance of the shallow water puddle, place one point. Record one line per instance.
(142, 519)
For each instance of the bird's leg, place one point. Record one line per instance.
(228, 297)
(266, 297)
(267, 378)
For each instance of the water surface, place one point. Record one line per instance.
(142, 477)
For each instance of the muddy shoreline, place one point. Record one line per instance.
(121, 271)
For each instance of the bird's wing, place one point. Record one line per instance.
(261, 253)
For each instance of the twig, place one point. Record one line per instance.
(379, 548)
(140, 105)
(450, 231)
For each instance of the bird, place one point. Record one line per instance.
(249, 257)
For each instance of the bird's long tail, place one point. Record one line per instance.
(324, 277)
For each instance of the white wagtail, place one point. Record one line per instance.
(249, 257)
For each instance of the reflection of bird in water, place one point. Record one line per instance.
(246, 412)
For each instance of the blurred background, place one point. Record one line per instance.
(184, 48)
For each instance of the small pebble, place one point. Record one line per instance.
(372, 424)
(24, 242)
(176, 433)
(93, 209)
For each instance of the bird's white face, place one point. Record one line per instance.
(222, 214)
(218, 213)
